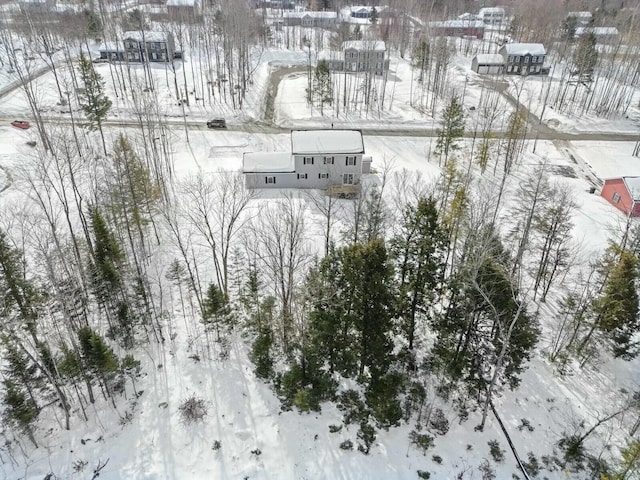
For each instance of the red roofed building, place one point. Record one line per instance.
(624, 194)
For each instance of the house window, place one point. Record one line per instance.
(270, 180)
(347, 178)
(379, 54)
(351, 161)
(510, 58)
(323, 175)
(379, 65)
(154, 56)
(307, 160)
(518, 59)
(526, 59)
(328, 160)
(616, 197)
(302, 176)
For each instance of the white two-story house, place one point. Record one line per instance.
(318, 159)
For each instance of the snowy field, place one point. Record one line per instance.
(245, 434)
(257, 440)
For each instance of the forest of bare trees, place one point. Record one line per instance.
(417, 293)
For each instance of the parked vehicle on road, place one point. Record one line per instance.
(217, 123)
(20, 124)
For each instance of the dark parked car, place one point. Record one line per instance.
(217, 123)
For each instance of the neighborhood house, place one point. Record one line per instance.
(488, 63)
(491, 15)
(318, 159)
(624, 194)
(459, 28)
(358, 56)
(141, 46)
(523, 58)
(310, 19)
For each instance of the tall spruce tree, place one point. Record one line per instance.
(94, 102)
(419, 251)
(420, 58)
(451, 129)
(617, 308)
(585, 56)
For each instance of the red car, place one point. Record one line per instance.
(20, 124)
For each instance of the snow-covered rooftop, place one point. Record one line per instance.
(525, 48)
(458, 24)
(468, 16)
(149, 36)
(182, 3)
(330, 55)
(488, 11)
(311, 14)
(490, 59)
(597, 31)
(584, 14)
(633, 186)
(275, 162)
(326, 141)
(365, 45)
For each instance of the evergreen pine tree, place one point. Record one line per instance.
(94, 102)
(19, 408)
(418, 251)
(585, 56)
(420, 58)
(451, 129)
(108, 256)
(373, 15)
(617, 308)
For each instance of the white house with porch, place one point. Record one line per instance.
(319, 159)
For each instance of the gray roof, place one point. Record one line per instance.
(149, 36)
(183, 3)
(272, 162)
(326, 141)
(524, 49)
(365, 45)
(491, 10)
(583, 14)
(458, 24)
(611, 31)
(633, 186)
(490, 59)
(310, 13)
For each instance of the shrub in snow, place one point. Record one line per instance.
(423, 441)
(496, 452)
(335, 428)
(382, 398)
(423, 474)
(525, 424)
(79, 465)
(193, 410)
(346, 445)
(437, 459)
(217, 445)
(303, 401)
(532, 466)
(487, 472)
(367, 435)
(352, 407)
(261, 354)
(438, 422)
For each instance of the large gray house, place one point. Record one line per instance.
(523, 58)
(140, 46)
(310, 19)
(358, 56)
(318, 159)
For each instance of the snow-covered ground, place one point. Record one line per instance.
(257, 440)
